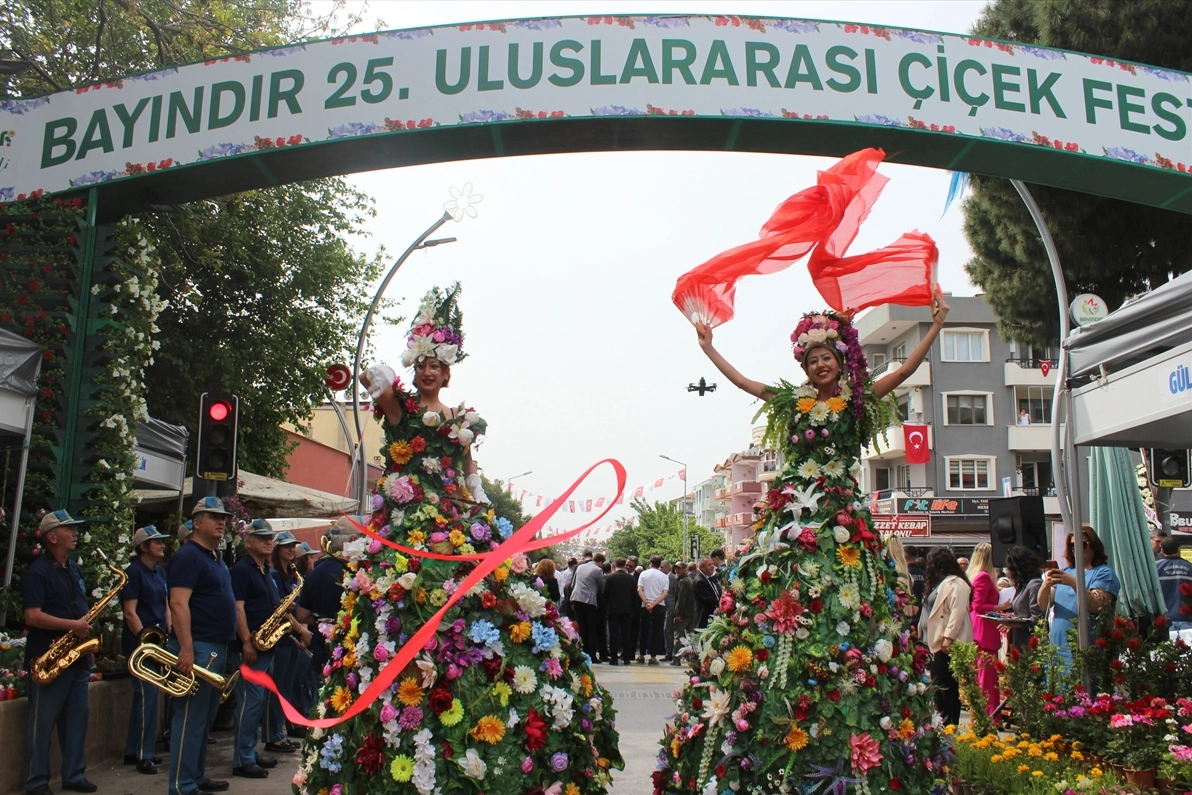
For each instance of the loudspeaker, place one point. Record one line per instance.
(1017, 521)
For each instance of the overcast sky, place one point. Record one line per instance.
(575, 350)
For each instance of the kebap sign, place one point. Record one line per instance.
(410, 82)
(903, 525)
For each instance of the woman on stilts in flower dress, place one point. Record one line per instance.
(805, 680)
(502, 699)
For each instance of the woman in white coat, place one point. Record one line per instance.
(945, 621)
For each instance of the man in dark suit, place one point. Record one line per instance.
(684, 614)
(707, 592)
(621, 593)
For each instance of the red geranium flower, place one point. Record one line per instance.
(536, 730)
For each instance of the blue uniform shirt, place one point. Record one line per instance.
(148, 587)
(59, 591)
(321, 594)
(254, 586)
(285, 585)
(1173, 572)
(212, 605)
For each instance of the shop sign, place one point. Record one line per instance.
(903, 525)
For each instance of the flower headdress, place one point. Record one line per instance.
(437, 331)
(835, 331)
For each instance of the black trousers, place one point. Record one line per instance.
(620, 636)
(947, 693)
(588, 618)
(653, 629)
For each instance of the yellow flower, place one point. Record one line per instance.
(488, 729)
(1096, 772)
(1051, 756)
(602, 763)
(1077, 756)
(1037, 773)
(453, 715)
(906, 729)
(341, 699)
(501, 573)
(420, 596)
(571, 790)
(675, 747)
(837, 404)
(950, 729)
(416, 537)
(996, 758)
(804, 405)
(585, 685)
(457, 538)
(409, 692)
(849, 556)
(740, 659)
(796, 739)
(402, 768)
(1023, 768)
(349, 601)
(520, 632)
(349, 660)
(502, 692)
(400, 452)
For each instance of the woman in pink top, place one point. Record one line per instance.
(986, 599)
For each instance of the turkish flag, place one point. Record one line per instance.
(914, 438)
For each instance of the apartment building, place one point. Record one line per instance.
(987, 407)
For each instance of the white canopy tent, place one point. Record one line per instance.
(20, 366)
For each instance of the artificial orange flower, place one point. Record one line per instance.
(409, 692)
(488, 729)
(804, 405)
(796, 739)
(400, 453)
(739, 659)
(520, 632)
(849, 556)
(341, 699)
(837, 404)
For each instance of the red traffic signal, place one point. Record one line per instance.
(219, 410)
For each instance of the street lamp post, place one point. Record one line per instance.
(515, 477)
(682, 502)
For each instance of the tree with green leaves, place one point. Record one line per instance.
(263, 294)
(1109, 247)
(658, 530)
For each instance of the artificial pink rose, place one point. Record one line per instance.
(519, 563)
(388, 713)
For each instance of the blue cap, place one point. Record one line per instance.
(59, 518)
(147, 533)
(284, 538)
(210, 505)
(305, 549)
(261, 527)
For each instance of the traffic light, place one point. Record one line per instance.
(1169, 469)
(218, 416)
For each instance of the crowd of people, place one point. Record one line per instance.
(205, 605)
(630, 613)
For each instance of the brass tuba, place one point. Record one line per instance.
(278, 625)
(68, 648)
(169, 680)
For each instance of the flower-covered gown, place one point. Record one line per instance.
(502, 700)
(805, 680)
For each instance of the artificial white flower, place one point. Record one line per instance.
(885, 722)
(430, 464)
(884, 650)
(471, 418)
(850, 597)
(431, 419)
(465, 436)
(819, 413)
(446, 352)
(809, 470)
(531, 602)
(834, 468)
(840, 533)
(716, 667)
(802, 634)
(473, 765)
(407, 580)
(842, 629)
(524, 679)
(809, 568)
(717, 705)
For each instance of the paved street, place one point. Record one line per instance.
(642, 695)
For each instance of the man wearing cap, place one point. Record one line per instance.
(290, 655)
(318, 604)
(145, 597)
(203, 616)
(256, 600)
(54, 599)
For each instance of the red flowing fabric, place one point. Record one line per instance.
(521, 541)
(822, 220)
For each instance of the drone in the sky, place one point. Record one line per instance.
(703, 387)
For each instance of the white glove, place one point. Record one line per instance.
(380, 379)
(476, 488)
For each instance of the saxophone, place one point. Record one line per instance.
(69, 648)
(278, 624)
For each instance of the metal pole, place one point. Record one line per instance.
(1064, 465)
(362, 484)
(683, 505)
(352, 443)
(30, 411)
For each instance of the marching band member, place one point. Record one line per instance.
(306, 680)
(319, 602)
(203, 615)
(145, 598)
(55, 602)
(256, 599)
(290, 654)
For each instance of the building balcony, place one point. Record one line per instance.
(722, 522)
(743, 519)
(1029, 372)
(722, 494)
(769, 471)
(1028, 438)
(921, 376)
(893, 446)
(747, 487)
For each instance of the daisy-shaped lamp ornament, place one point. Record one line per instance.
(462, 202)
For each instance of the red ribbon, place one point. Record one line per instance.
(521, 541)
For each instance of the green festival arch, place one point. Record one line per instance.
(523, 87)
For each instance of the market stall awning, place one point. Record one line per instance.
(266, 497)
